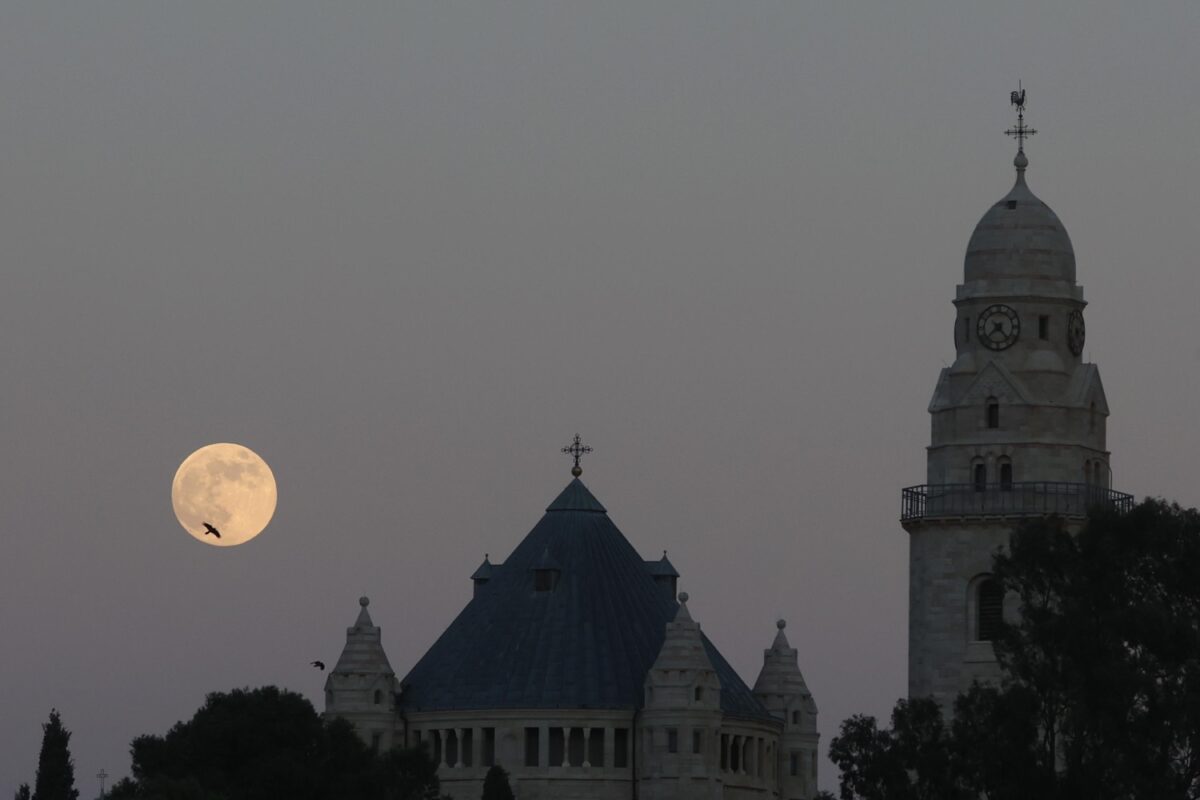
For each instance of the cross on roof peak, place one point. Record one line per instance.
(577, 449)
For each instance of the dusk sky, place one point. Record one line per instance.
(406, 251)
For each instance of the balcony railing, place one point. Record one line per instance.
(1030, 499)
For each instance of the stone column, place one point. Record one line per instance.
(477, 747)
(587, 744)
(566, 747)
(745, 753)
(544, 746)
(610, 751)
(459, 740)
(441, 734)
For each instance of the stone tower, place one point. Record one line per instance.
(1018, 430)
(781, 688)
(681, 720)
(361, 687)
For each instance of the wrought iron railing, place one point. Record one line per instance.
(1008, 500)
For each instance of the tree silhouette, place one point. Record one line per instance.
(22, 792)
(265, 744)
(1100, 697)
(56, 771)
(495, 785)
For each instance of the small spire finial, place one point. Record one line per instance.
(364, 601)
(683, 597)
(1022, 131)
(781, 624)
(576, 449)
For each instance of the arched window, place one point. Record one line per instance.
(1006, 476)
(980, 477)
(989, 609)
(993, 413)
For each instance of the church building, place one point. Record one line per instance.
(1018, 430)
(578, 668)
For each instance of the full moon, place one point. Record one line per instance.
(227, 487)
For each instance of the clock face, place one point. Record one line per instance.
(1075, 332)
(999, 326)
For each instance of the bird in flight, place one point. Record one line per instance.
(319, 665)
(210, 529)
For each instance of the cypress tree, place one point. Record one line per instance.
(495, 785)
(56, 771)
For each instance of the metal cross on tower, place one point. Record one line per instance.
(576, 449)
(102, 775)
(1022, 131)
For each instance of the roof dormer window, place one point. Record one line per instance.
(545, 573)
(544, 580)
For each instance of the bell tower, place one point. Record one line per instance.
(1018, 430)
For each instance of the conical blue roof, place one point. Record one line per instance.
(585, 644)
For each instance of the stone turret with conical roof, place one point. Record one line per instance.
(781, 688)
(362, 686)
(681, 719)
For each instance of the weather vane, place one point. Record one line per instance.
(576, 449)
(1021, 132)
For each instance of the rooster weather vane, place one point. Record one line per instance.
(1022, 131)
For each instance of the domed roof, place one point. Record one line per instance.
(1020, 237)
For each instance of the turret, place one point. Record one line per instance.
(781, 688)
(482, 575)
(681, 722)
(361, 687)
(665, 576)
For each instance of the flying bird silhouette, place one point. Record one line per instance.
(210, 529)
(319, 665)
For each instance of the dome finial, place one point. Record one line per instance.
(1021, 132)
(576, 449)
